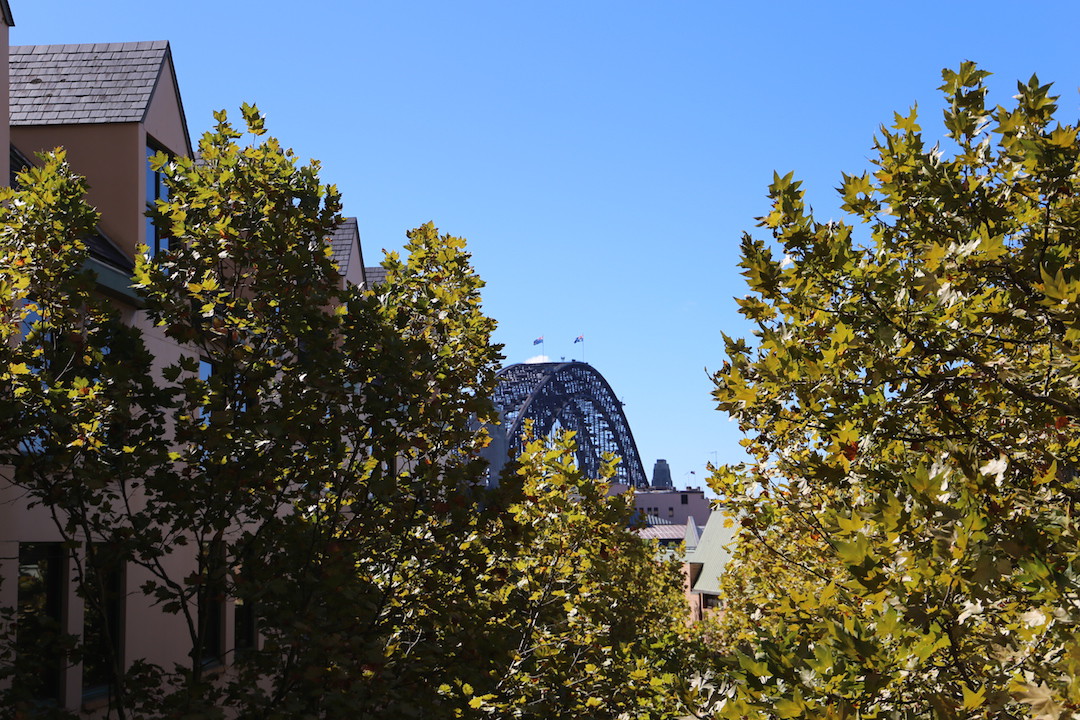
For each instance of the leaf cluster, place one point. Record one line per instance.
(911, 400)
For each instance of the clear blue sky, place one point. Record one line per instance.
(602, 158)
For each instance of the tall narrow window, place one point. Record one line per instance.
(244, 624)
(212, 605)
(156, 189)
(206, 371)
(39, 629)
(103, 622)
(245, 632)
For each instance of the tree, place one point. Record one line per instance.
(583, 618)
(911, 401)
(312, 453)
(292, 457)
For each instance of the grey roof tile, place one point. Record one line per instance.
(92, 83)
(346, 235)
(375, 275)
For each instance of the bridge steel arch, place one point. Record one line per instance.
(570, 395)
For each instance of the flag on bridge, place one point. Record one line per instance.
(579, 338)
(538, 340)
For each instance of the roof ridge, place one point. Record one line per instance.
(104, 47)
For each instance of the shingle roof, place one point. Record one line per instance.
(375, 275)
(346, 234)
(92, 83)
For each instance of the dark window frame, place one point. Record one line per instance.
(98, 680)
(46, 670)
(211, 606)
(157, 240)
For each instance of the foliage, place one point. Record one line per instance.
(584, 617)
(288, 453)
(311, 450)
(912, 401)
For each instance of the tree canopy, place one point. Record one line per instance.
(312, 453)
(911, 401)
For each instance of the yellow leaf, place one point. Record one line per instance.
(18, 369)
(789, 708)
(973, 698)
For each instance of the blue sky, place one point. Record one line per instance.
(602, 158)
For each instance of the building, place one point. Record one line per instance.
(111, 106)
(705, 561)
(674, 506)
(661, 476)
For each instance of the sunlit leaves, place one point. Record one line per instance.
(911, 402)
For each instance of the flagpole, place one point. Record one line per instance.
(581, 339)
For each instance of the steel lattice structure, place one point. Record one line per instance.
(569, 395)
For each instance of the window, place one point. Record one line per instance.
(244, 624)
(683, 499)
(206, 371)
(211, 605)
(156, 238)
(212, 625)
(245, 631)
(39, 628)
(103, 621)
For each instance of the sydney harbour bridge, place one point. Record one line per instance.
(564, 395)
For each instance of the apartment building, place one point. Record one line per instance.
(111, 106)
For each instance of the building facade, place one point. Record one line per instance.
(111, 106)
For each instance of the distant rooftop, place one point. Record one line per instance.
(663, 533)
(712, 552)
(375, 275)
(92, 83)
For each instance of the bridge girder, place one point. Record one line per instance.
(570, 395)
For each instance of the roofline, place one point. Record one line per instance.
(5, 12)
(167, 59)
(360, 253)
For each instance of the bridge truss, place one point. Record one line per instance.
(568, 395)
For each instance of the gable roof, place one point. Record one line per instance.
(5, 13)
(692, 534)
(711, 553)
(91, 83)
(345, 235)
